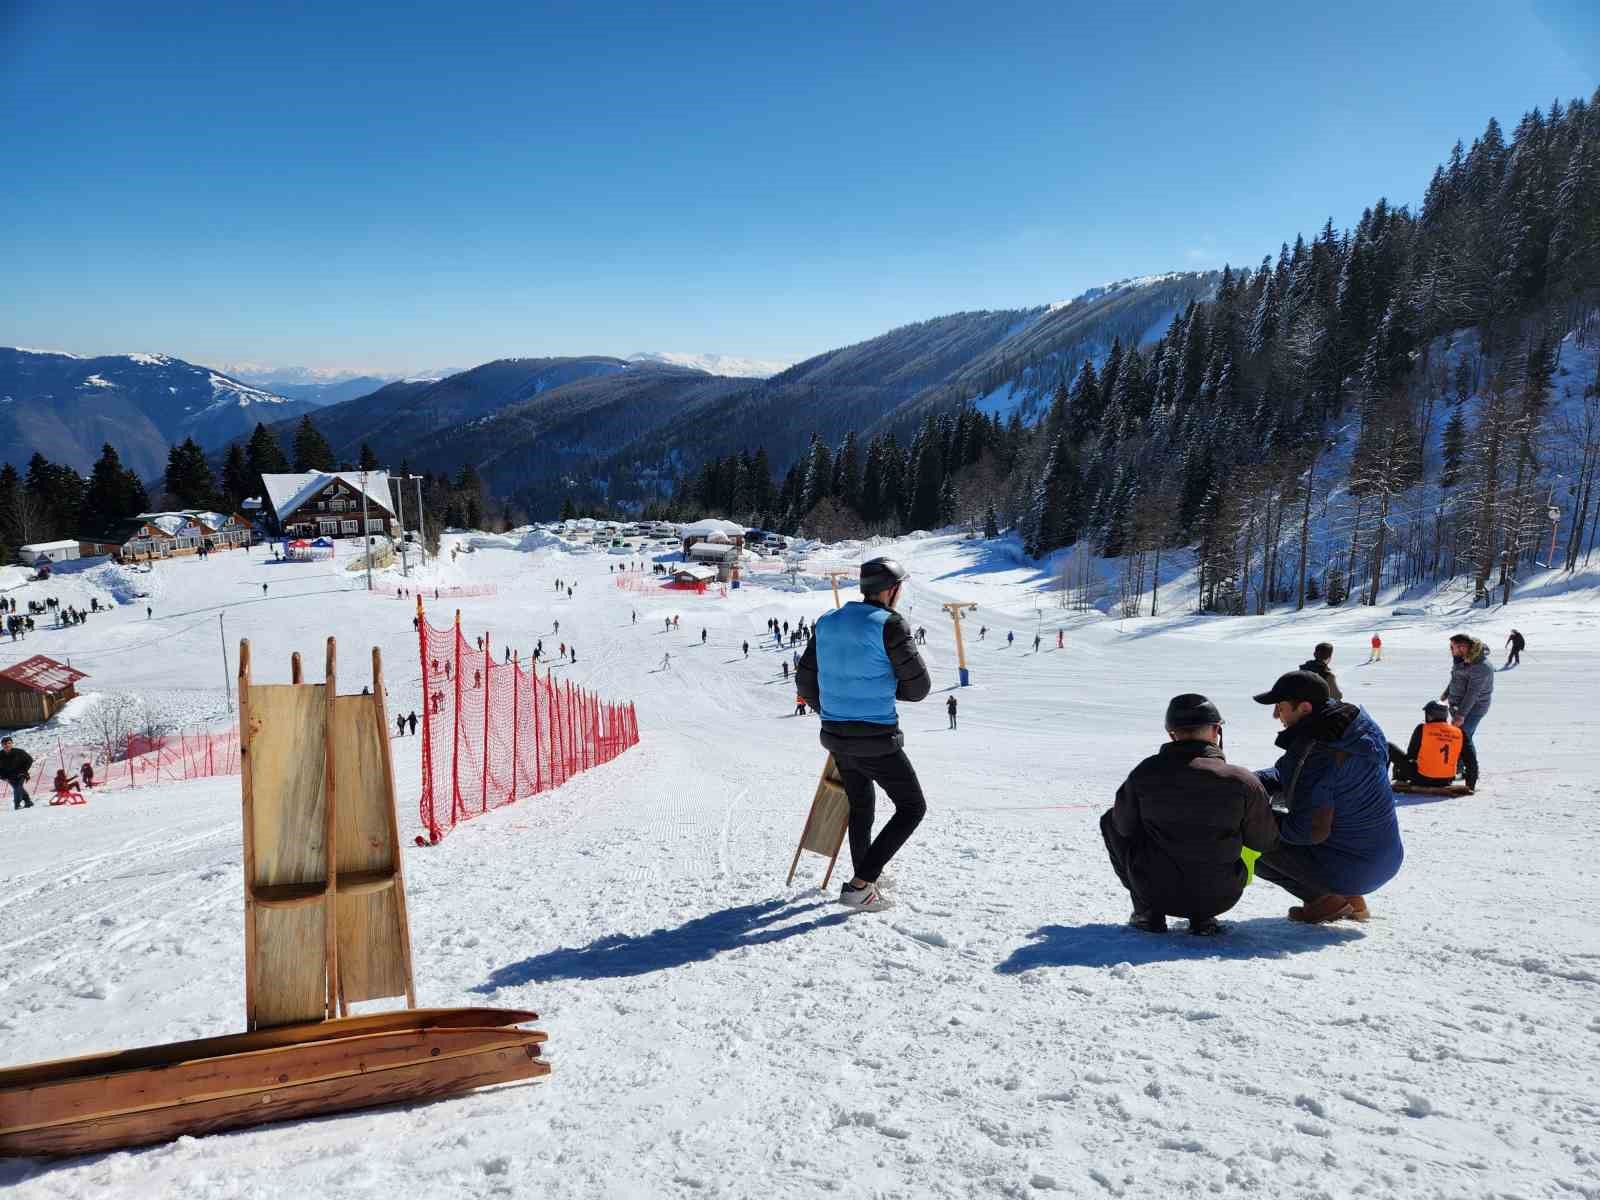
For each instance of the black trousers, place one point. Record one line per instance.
(1195, 908)
(898, 779)
(1294, 870)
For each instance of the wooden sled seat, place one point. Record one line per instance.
(1423, 789)
(138, 1097)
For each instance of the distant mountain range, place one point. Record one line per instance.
(66, 407)
(540, 428)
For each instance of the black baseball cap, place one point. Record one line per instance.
(1296, 685)
(1190, 711)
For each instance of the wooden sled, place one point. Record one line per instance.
(1422, 789)
(325, 913)
(826, 823)
(153, 1094)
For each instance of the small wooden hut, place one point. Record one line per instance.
(33, 690)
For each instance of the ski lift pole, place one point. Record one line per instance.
(956, 609)
(833, 578)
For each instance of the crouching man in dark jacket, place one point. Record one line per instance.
(1339, 839)
(861, 658)
(1180, 820)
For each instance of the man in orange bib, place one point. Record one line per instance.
(1436, 747)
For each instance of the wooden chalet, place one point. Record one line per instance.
(310, 504)
(33, 690)
(165, 534)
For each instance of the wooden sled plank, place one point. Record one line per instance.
(434, 1079)
(144, 1057)
(373, 945)
(97, 1096)
(826, 823)
(1420, 789)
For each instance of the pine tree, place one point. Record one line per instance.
(368, 460)
(189, 476)
(114, 493)
(237, 482)
(263, 455)
(991, 523)
(311, 449)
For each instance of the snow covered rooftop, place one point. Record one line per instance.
(48, 547)
(288, 492)
(41, 674)
(709, 526)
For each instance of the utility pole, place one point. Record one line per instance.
(400, 515)
(422, 533)
(227, 683)
(366, 534)
(956, 609)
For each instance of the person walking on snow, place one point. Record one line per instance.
(15, 763)
(1036, 643)
(786, 670)
(1061, 639)
(1011, 636)
(1470, 690)
(1339, 839)
(400, 725)
(950, 708)
(1180, 821)
(860, 660)
(747, 649)
(1517, 643)
(1377, 650)
(411, 721)
(1317, 664)
(702, 636)
(983, 632)
(263, 589)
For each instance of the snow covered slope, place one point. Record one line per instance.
(999, 1033)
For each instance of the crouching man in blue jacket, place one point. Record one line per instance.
(861, 658)
(1339, 838)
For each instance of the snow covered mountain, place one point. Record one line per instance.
(65, 407)
(714, 364)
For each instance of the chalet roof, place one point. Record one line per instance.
(694, 573)
(287, 492)
(41, 674)
(46, 547)
(717, 551)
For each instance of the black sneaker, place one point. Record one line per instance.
(1148, 922)
(1207, 927)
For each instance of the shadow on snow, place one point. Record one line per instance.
(1107, 945)
(620, 955)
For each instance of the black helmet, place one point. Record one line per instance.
(881, 574)
(1191, 710)
(1435, 711)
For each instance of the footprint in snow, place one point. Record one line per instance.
(927, 937)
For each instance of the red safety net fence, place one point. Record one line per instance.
(138, 760)
(494, 732)
(452, 592)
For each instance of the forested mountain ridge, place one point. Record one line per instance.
(1285, 429)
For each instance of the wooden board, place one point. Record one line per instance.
(372, 957)
(1420, 789)
(433, 1079)
(92, 1097)
(286, 946)
(826, 823)
(143, 1057)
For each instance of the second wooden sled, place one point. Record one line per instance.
(156, 1093)
(826, 823)
(1423, 789)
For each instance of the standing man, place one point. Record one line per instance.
(1470, 690)
(1339, 839)
(950, 708)
(1180, 821)
(860, 660)
(1317, 664)
(15, 763)
(411, 722)
(1517, 642)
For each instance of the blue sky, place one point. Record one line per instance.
(403, 186)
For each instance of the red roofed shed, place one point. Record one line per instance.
(33, 690)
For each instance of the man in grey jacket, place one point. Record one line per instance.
(1471, 687)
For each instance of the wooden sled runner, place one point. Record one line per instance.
(826, 823)
(137, 1097)
(1420, 789)
(325, 927)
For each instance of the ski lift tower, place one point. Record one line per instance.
(958, 609)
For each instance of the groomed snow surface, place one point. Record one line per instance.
(999, 1032)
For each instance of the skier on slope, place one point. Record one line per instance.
(950, 710)
(860, 660)
(747, 649)
(1011, 636)
(1036, 643)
